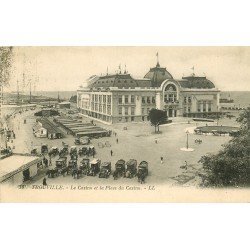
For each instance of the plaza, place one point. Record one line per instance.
(138, 142)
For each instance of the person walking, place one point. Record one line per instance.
(50, 162)
(44, 181)
(161, 159)
(117, 140)
(111, 152)
(156, 141)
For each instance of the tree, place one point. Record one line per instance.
(5, 64)
(157, 117)
(73, 99)
(231, 166)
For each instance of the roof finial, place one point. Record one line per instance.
(193, 71)
(120, 69)
(125, 71)
(158, 64)
(107, 70)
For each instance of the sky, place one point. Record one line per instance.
(66, 68)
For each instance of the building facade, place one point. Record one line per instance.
(121, 98)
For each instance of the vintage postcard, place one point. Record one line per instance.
(124, 124)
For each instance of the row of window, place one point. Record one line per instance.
(126, 111)
(170, 98)
(148, 99)
(187, 99)
(102, 108)
(204, 107)
(101, 98)
(119, 81)
(126, 99)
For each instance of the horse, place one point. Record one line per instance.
(141, 176)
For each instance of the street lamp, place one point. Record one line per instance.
(187, 132)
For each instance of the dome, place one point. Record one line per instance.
(196, 82)
(157, 75)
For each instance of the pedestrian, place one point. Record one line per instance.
(50, 163)
(44, 181)
(117, 140)
(111, 152)
(161, 159)
(186, 165)
(156, 141)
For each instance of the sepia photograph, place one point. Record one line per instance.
(124, 123)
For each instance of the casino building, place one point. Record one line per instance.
(121, 98)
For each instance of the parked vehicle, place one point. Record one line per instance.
(105, 170)
(94, 168)
(44, 149)
(54, 151)
(73, 150)
(82, 140)
(131, 168)
(142, 171)
(72, 164)
(61, 162)
(119, 169)
(84, 165)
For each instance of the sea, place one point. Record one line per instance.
(241, 98)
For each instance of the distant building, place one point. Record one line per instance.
(17, 168)
(64, 105)
(122, 98)
(45, 128)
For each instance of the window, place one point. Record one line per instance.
(104, 98)
(120, 110)
(148, 99)
(209, 107)
(148, 109)
(132, 99)
(142, 111)
(132, 119)
(126, 111)
(132, 111)
(109, 110)
(104, 109)
(143, 99)
(120, 99)
(166, 98)
(185, 99)
(126, 98)
(100, 107)
(189, 99)
(199, 107)
(189, 109)
(95, 98)
(204, 106)
(109, 99)
(153, 99)
(100, 98)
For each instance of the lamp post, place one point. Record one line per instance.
(187, 137)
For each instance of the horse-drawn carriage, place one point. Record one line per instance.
(73, 150)
(61, 162)
(131, 168)
(105, 170)
(54, 151)
(86, 150)
(82, 140)
(34, 151)
(44, 149)
(94, 167)
(142, 171)
(84, 165)
(119, 169)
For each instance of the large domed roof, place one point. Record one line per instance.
(196, 82)
(157, 75)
